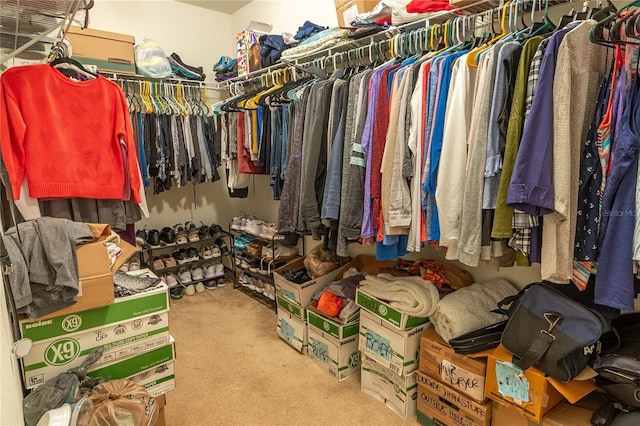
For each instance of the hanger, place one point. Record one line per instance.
(546, 26)
(72, 64)
(568, 18)
(596, 35)
(472, 57)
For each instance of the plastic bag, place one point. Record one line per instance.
(123, 403)
(320, 262)
(52, 394)
(151, 60)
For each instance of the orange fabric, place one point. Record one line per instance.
(63, 136)
(330, 304)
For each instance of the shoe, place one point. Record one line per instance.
(210, 284)
(268, 231)
(141, 236)
(180, 233)
(192, 232)
(133, 264)
(153, 238)
(216, 231)
(215, 251)
(252, 284)
(206, 253)
(209, 270)
(190, 290)
(259, 286)
(167, 236)
(168, 261)
(218, 270)
(184, 275)
(279, 252)
(192, 254)
(196, 273)
(223, 64)
(200, 287)
(176, 292)
(180, 256)
(246, 222)
(236, 223)
(157, 263)
(204, 231)
(254, 227)
(244, 264)
(244, 280)
(272, 292)
(170, 279)
(221, 281)
(224, 249)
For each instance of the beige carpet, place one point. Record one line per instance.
(233, 369)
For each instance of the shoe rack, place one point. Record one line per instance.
(250, 266)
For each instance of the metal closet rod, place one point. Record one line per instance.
(111, 75)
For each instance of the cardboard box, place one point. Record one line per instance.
(461, 372)
(434, 409)
(161, 401)
(332, 326)
(339, 357)
(302, 294)
(397, 350)
(133, 366)
(530, 393)
(350, 9)
(503, 415)
(157, 380)
(132, 325)
(108, 51)
(474, 409)
(96, 274)
(293, 331)
(291, 307)
(399, 393)
(577, 414)
(383, 310)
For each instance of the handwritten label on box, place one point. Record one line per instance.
(512, 382)
(287, 331)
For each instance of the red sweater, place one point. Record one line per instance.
(64, 136)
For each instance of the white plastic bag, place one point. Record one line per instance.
(151, 60)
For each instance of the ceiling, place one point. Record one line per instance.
(227, 6)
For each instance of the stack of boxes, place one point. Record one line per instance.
(346, 10)
(450, 385)
(390, 343)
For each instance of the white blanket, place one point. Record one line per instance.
(469, 308)
(410, 295)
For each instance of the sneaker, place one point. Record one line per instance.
(192, 254)
(184, 275)
(200, 287)
(190, 290)
(176, 292)
(252, 284)
(223, 64)
(215, 251)
(180, 233)
(133, 264)
(204, 232)
(196, 273)
(236, 223)
(180, 256)
(209, 270)
(216, 231)
(272, 292)
(157, 263)
(141, 236)
(192, 232)
(244, 280)
(210, 284)
(206, 253)
(153, 238)
(268, 231)
(279, 252)
(167, 236)
(170, 279)
(224, 249)
(221, 281)
(218, 270)
(168, 261)
(254, 227)
(259, 286)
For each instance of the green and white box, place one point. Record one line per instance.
(157, 380)
(399, 393)
(383, 310)
(332, 326)
(302, 294)
(395, 349)
(292, 330)
(293, 308)
(138, 364)
(130, 326)
(340, 358)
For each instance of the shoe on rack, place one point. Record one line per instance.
(180, 233)
(209, 270)
(279, 252)
(196, 273)
(272, 292)
(180, 256)
(216, 231)
(218, 270)
(254, 227)
(176, 292)
(153, 238)
(168, 261)
(192, 254)
(244, 280)
(167, 236)
(141, 236)
(210, 284)
(133, 264)
(222, 246)
(170, 279)
(236, 223)
(190, 290)
(223, 64)
(204, 231)
(215, 251)
(200, 287)
(221, 281)
(259, 286)
(252, 284)
(192, 232)
(268, 231)
(184, 275)
(157, 263)
(206, 253)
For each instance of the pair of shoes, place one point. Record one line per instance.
(221, 281)
(180, 233)
(192, 289)
(213, 270)
(216, 231)
(210, 252)
(243, 279)
(269, 232)
(132, 264)
(153, 238)
(224, 63)
(204, 232)
(269, 291)
(141, 236)
(279, 251)
(210, 284)
(171, 280)
(193, 234)
(240, 242)
(176, 292)
(167, 236)
(183, 256)
(166, 261)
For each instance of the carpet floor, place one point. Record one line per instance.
(233, 369)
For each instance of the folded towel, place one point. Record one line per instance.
(410, 295)
(469, 308)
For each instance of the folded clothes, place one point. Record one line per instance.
(409, 295)
(421, 6)
(129, 284)
(469, 308)
(307, 29)
(180, 69)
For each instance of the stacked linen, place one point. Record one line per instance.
(411, 295)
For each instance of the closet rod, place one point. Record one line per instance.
(136, 77)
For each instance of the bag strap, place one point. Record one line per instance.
(507, 301)
(537, 350)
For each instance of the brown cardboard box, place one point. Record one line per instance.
(161, 401)
(463, 373)
(96, 277)
(108, 51)
(434, 409)
(577, 414)
(349, 9)
(544, 393)
(507, 416)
